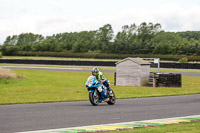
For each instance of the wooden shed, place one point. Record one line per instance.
(132, 72)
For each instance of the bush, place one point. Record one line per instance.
(0, 55)
(9, 50)
(183, 60)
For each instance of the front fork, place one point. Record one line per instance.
(95, 91)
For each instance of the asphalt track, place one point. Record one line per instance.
(43, 116)
(84, 70)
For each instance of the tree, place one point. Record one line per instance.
(143, 39)
(103, 38)
(79, 47)
(11, 40)
(29, 38)
(190, 34)
(167, 43)
(146, 32)
(125, 41)
(136, 39)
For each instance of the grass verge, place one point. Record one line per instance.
(191, 127)
(57, 86)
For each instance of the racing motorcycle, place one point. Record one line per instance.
(98, 93)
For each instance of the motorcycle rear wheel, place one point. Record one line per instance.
(112, 99)
(94, 99)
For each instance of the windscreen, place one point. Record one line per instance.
(90, 79)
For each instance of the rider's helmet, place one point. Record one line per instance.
(95, 71)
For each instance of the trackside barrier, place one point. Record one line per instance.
(97, 63)
(59, 62)
(165, 79)
(177, 65)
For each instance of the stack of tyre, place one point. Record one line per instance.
(168, 80)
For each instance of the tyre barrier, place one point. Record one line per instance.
(59, 62)
(151, 78)
(176, 65)
(97, 63)
(166, 79)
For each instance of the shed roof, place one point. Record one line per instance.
(139, 61)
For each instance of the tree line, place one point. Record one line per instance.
(146, 38)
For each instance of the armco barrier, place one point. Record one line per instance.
(177, 65)
(97, 63)
(59, 62)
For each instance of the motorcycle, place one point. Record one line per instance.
(98, 93)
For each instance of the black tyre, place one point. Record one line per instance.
(94, 99)
(112, 98)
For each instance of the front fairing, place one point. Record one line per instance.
(92, 82)
(98, 88)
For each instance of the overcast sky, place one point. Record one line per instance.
(49, 17)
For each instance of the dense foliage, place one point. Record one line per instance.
(133, 39)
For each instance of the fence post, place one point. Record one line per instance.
(115, 79)
(154, 79)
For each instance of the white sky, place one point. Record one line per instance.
(49, 17)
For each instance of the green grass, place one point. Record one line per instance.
(43, 86)
(56, 86)
(190, 85)
(191, 127)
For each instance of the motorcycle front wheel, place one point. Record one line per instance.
(94, 99)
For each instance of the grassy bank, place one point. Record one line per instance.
(192, 127)
(56, 86)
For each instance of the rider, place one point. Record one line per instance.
(100, 77)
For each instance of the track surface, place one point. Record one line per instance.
(83, 70)
(30, 117)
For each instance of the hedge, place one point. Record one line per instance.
(105, 55)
